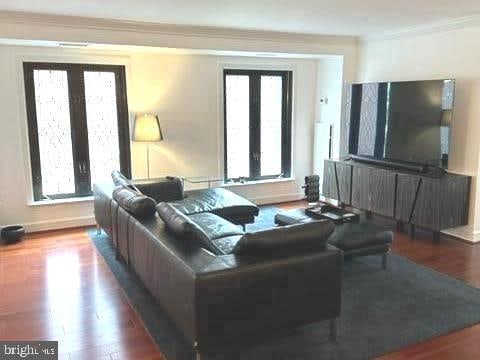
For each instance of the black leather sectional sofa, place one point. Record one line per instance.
(216, 282)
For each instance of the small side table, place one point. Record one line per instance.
(201, 180)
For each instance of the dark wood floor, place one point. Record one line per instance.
(55, 286)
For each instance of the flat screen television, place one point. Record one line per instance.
(407, 121)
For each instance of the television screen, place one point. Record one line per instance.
(405, 121)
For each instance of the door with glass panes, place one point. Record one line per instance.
(257, 124)
(77, 126)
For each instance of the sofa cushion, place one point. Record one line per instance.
(290, 217)
(169, 188)
(219, 201)
(215, 226)
(359, 235)
(121, 180)
(227, 243)
(288, 239)
(184, 228)
(134, 202)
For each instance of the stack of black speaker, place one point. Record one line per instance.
(312, 188)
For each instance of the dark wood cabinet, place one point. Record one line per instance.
(372, 190)
(382, 197)
(441, 203)
(329, 188)
(344, 176)
(406, 191)
(456, 193)
(361, 197)
(433, 203)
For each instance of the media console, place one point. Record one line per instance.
(431, 202)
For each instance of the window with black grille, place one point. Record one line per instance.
(258, 117)
(77, 126)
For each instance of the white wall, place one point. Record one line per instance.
(328, 113)
(15, 176)
(449, 54)
(330, 86)
(185, 91)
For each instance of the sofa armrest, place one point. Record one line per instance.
(102, 198)
(243, 297)
(162, 190)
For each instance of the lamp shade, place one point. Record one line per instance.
(146, 128)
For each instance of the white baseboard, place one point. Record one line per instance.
(465, 233)
(64, 223)
(272, 199)
(56, 224)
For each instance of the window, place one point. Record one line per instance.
(258, 112)
(77, 126)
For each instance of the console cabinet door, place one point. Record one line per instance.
(373, 190)
(456, 194)
(427, 213)
(361, 197)
(442, 203)
(344, 176)
(406, 191)
(329, 189)
(382, 190)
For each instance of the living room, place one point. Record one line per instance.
(175, 68)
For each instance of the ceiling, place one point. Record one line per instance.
(339, 17)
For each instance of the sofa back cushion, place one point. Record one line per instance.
(121, 180)
(184, 228)
(220, 201)
(134, 202)
(286, 240)
(215, 226)
(169, 188)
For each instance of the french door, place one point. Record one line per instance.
(77, 126)
(258, 112)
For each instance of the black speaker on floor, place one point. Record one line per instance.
(312, 188)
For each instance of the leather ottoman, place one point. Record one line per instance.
(360, 238)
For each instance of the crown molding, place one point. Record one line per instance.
(425, 29)
(24, 18)
(78, 22)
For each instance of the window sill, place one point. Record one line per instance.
(61, 201)
(258, 182)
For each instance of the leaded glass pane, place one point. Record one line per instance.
(271, 125)
(102, 123)
(368, 119)
(238, 123)
(54, 132)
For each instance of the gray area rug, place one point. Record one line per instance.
(381, 311)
